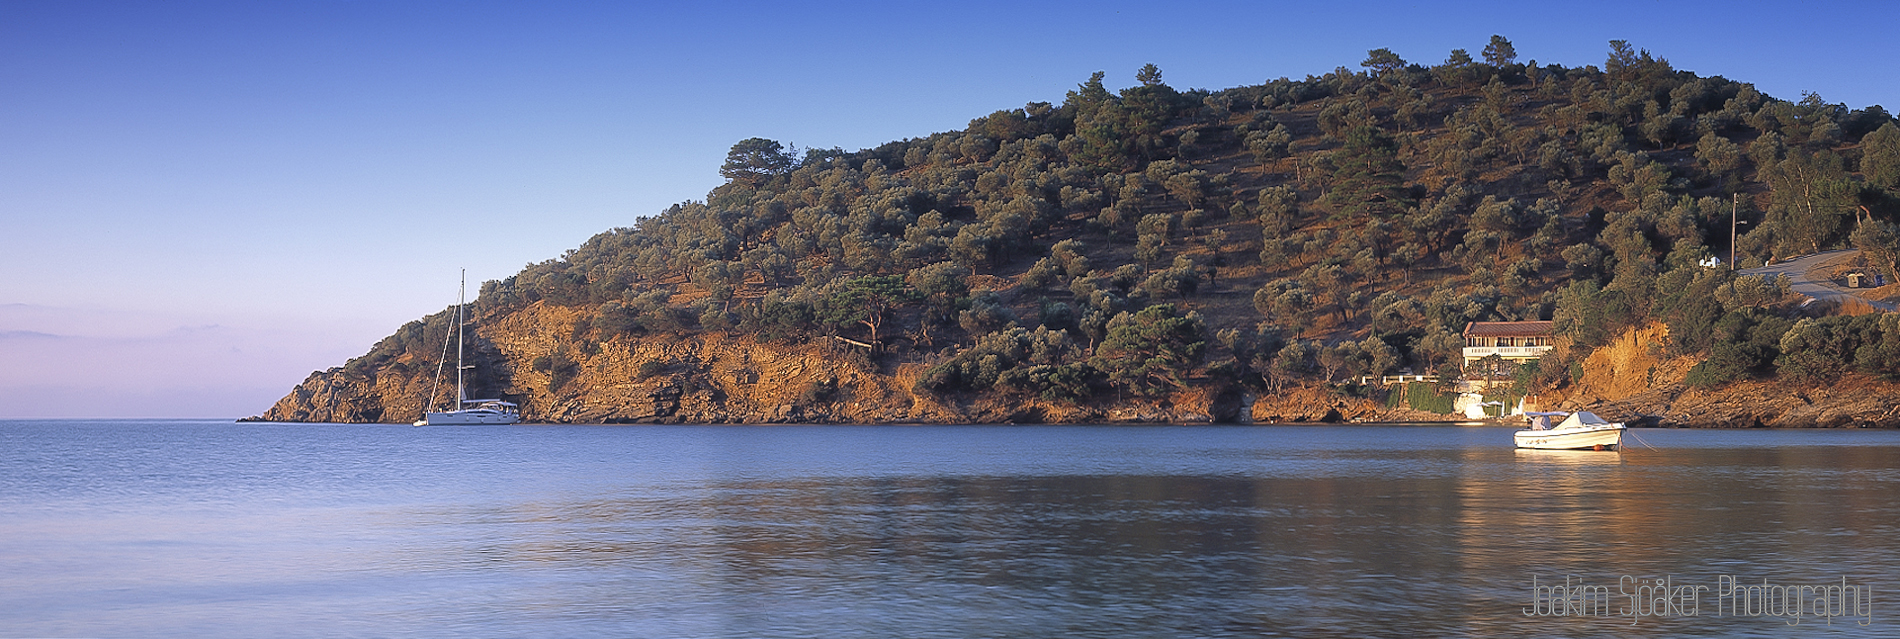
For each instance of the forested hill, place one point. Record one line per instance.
(1146, 246)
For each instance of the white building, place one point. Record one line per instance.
(1511, 341)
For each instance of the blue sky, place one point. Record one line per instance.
(203, 202)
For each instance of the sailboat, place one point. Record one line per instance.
(467, 411)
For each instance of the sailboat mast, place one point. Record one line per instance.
(461, 329)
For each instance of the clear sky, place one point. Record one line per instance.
(203, 202)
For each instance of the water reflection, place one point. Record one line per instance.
(928, 532)
(1341, 554)
(1569, 457)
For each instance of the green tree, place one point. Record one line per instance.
(1663, 127)
(1880, 242)
(1719, 155)
(1149, 75)
(1269, 145)
(1149, 352)
(1439, 347)
(1146, 110)
(1636, 176)
(1284, 302)
(940, 285)
(1457, 70)
(1342, 116)
(1152, 234)
(1369, 357)
(987, 313)
(866, 301)
(1068, 253)
(1190, 187)
(1090, 95)
(1817, 350)
(1291, 362)
(1279, 208)
(754, 160)
(972, 247)
(1114, 133)
(718, 279)
(1880, 157)
(1370, 179)
(1811, 198)
(1042, 274)
(1382, 61)
(1623, 60)
(1583, 260)
(1499, 52)
(1104, 137)
(1215, 240)
(1180, 280)
(1333, 281)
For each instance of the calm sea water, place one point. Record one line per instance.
(213, 529)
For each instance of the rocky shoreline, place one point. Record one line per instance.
(726, 379)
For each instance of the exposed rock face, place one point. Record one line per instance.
(1321, 404)
(707, 378)
(1856, 402)
(714, 378)
(1630, 380)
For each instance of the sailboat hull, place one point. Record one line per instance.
(468, 417)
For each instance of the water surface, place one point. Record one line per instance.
(213, 529)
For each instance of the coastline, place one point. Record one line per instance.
(733, 379)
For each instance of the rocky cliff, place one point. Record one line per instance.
(531, 357)
(1632, 380)
(715, 378)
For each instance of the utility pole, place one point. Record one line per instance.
(1734, 207)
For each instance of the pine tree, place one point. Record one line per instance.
(1499, 52)
(1880, 157)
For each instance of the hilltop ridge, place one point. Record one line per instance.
(1154, 254)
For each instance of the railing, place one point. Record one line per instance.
(1480, 352)
(1388, 380)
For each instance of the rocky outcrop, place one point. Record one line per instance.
(1631, 380)
(531, 357)
(1310, 404)
(1857, 402)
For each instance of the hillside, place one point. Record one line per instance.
(1155, 254)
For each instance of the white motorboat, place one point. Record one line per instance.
(467, 411)
(1581, 430)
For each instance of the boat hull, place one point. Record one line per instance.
(1597, 438)
(468, 418)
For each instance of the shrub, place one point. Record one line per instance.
(1424, 396)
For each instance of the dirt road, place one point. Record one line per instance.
(1809, 275)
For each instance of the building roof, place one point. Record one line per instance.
(1509, 329)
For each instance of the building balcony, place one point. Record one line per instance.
(1506, 352)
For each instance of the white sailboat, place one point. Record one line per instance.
(467, 411)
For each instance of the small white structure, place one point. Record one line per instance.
(1476, 408)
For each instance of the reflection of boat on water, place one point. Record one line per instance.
(1585, 457)
(1581, 430)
